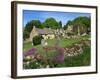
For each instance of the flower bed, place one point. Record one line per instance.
(54, 56)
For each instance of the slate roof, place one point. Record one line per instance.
(44, 31)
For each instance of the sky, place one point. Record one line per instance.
(64, 17)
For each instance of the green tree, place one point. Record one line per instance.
(30, 24)
(82, 23)
(83, 20)
(25, 35)
(60, 24)
(51, 23)
(68, 24)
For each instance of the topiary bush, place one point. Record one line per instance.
(37, 40)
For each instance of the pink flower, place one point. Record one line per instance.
(31, 51)
(60, 57)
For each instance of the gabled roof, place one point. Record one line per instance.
(45, 31)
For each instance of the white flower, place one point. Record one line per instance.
(36, 62)
(28, 57)
(32, 57)
(27, 62)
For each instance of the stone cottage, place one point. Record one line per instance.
(45, 32)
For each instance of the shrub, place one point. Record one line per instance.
(25, 35)
(37, 40)
(59, 58)
(32, 51)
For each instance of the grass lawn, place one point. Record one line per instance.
(63, 43)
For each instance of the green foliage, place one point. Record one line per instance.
(83, 23)
(68, 23)
(33, 64)
(51, 23)
(80, 25)
(60, 24)
(80, 60)
(37, 40)
(25, 35)
(63, 42)
(83, 59)
(29, 25)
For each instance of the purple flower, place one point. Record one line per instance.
(31, 51)
(60, 50)
(60, 57)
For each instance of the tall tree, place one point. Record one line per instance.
(83, 22)
(68, 24)
(51, 23)
(25, 35)
(30, 24)
(60, 24)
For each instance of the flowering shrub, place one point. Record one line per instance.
(32, 59)
(29, 55)
(59, 58)
(30, 52)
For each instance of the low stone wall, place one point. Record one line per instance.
(76, 49)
